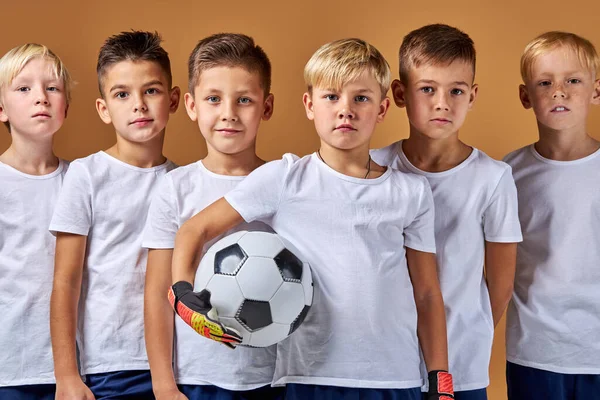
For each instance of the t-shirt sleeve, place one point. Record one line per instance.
(258, 196)
(419, 234)
(501, 217)
(73, 209)
(163, 217)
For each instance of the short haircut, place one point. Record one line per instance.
(436, 44)
(583, 48)
(132, 46)
(13, 62)
(342, 61)
(229, 50)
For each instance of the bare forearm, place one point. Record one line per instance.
(499, 297)
(188, 245)
(500, 265)
(63, 321)
(431, 329)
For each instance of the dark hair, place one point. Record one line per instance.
(436, 44)
(132, 46)
(230, 50)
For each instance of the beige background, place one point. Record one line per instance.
(290, 33)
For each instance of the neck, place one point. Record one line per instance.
(565, 145)
(352, 162)
(239, 164)
(31, 157)
(142, 155)
(435, 155)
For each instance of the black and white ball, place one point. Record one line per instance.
(259, 284)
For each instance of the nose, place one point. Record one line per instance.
(41, 97)
(228, 112)
(139, 104)
(441, 103)
(346, 111)
(559, 92)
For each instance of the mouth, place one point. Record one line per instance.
(345, 128)
(440, 121)
(228, 131)
(559, 109)
(141, 121)
(41, 115)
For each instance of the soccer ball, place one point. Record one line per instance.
(259, 285)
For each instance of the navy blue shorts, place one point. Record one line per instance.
(526, 383)
(209, 392)
(121, 385)
(28, 392)
(295, 391)
(477, 394)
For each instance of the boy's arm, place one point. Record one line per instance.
(500, 265)
(158, 324)
(69, 258)
(431, 318)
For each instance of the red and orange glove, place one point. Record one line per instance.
(196, 311)
(440, 386)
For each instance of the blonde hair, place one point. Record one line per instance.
(337, 63)
(583, 48)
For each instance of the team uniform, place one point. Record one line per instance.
(475, 202)
(359, 337)
(27, 269)
(204, 368)
(107, 200)
(553, 322)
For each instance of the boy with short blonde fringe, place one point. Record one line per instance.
(99, 219)
(475, 198)
(553, 322)
(35, 90)
(229, 95)
(367, 232)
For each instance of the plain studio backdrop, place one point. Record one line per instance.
(290, 32)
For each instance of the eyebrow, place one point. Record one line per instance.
(151, 83)
(458, 83)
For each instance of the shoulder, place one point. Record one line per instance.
(409, 182)
(516, 156)
(385, 155)
(488, 165)
(185, 172)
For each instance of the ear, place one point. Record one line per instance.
(190, 106)
(103, 111)
(174, 99)
(473, 95)
(384, 106)
(524, 96)
(399, 92)
(268, 107)
(308, 106)
(596, 94)
(3, 116)
(66, 110)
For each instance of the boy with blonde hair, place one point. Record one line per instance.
(98, 221)
(476, 219)
(367, 232)
(35, 89)
(553, 322)
(229, 95)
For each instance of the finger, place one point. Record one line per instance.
(226, 338)
(231, 346)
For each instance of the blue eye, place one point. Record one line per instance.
(52, 89)
(213, 99)
(244, 100)
(23, 89)
(361, 99)
(426, 89)
(331, 97)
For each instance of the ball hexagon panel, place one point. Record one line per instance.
(226, 241)
(269, 335)
(307, 284)
(254, 315)
(287, 303)
(229, 259)
(226, 295)
(259, 278)
(299, 320)
(261, 244)
(289, 266)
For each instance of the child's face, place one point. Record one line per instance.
(560, 90)
(137, 100)
(35, 101)
(229, 104)
(345, 119)
(437, 98)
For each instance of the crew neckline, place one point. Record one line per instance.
(133, 167)
(441, 174)
(57, 171)
(543, 159)
(201, 165)
(360, 181)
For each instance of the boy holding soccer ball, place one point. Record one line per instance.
(367, 232)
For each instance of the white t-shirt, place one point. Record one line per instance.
(475, 202)
(107, 200)
(361, 330)
(26, 273)
(553, 321)
(197, 361)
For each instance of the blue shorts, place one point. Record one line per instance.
(477, 394)
(295, 391)
(121, 385)
(209, 392)
(526, 383)
(28, 392)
